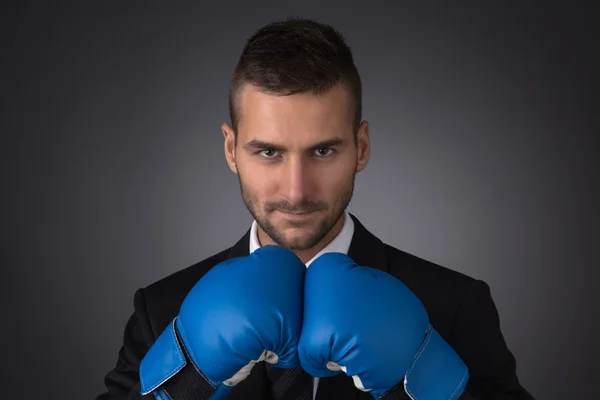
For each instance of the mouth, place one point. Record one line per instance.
(297, 215)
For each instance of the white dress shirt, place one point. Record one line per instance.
(340, 244)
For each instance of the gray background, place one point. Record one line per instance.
(484, 127)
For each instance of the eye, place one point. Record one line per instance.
(324, 152)
(269, 153)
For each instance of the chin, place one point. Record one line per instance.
(303, 240)
(298, 245)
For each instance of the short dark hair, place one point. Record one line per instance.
(296, 55)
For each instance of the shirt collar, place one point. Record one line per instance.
(339, 244)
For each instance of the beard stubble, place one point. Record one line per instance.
(332, 212)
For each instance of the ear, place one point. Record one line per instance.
(364, 146)
(229, 146)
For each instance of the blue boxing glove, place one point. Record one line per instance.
(243, 311)
(368, 324)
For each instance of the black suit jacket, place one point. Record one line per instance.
(460, 308)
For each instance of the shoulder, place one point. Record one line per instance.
(162, 299)
(187, 277)
(423, 272)
(441, 290)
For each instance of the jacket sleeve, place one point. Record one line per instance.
(477, 337)
(123, 382)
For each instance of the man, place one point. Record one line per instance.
(364, 320)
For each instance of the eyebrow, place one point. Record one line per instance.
(256, 144)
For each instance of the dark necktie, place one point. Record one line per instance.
(290, 383)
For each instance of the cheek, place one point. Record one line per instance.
(257, 182)
(334, 182)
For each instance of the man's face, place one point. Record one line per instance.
(296, 161)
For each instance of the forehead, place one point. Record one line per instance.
(297, 117)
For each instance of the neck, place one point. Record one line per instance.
(308, 254)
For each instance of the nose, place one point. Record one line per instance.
(296, 180)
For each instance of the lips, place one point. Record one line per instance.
(296, 215)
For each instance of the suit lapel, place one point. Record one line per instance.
(366, 249)
(241, 248)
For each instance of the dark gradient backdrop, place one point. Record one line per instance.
(484, 134)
